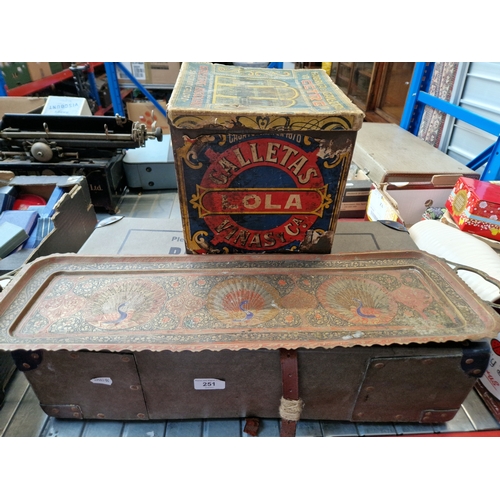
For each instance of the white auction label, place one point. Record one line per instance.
(207, 384)
(102, 380)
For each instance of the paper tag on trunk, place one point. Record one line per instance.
(101, 380)
(207, 384)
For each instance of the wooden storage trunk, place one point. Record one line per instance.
(417, 383)
(262, 157)
(374, 337)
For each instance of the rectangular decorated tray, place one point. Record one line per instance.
(235, 302)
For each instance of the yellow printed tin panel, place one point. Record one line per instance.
(234, 97)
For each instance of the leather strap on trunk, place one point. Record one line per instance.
(291, 405)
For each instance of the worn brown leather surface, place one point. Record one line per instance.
(252, 384)
(362, 384)
(100, 385)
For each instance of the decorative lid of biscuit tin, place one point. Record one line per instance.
(221, 97)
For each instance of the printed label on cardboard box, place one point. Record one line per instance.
(353, 205)
(137, 69)
(68, 106)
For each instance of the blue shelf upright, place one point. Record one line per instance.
(3, 86)
(114, 88)
(419, 97)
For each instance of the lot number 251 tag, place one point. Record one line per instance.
(208, 384)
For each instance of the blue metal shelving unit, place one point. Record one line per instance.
(419, 97)
(114, 88)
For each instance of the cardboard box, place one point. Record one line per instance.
(491, 377)
(56, 67)
(160, 236)
(388, 153)
(21, 105)
(39, 70)
(262, 157)
(150, 73)
(474, 205)
(74, 218)
(133, 235)
(164, 73)
(15, 73)
(147, 113)
(137, 69)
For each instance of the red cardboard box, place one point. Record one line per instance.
(475, 207)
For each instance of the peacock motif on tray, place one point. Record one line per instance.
(248, 301)
(125, 304)
(358, 301)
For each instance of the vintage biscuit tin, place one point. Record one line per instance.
(475, 207)
(262, 157)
